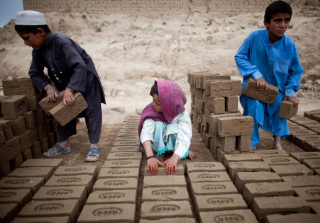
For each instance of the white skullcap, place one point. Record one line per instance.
(30, 18)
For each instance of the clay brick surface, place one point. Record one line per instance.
(243, 143)
(232, 103)
(169, 220)
(159, 209)
(19, 196)
(27, 154)
(219, 202)
(116, 184)
(36, 150)
(5, 169)
(266, 96)
(118, 173)
(164, 181)
(165, 194)
(287, 109)
(2, 137)
(124, 155)
(302, 181)
(128, 130)
(55, 163)
(51, 209)
(75, 170)
(246, 166)
(227, 144)
(19, 86)
(312, 163)
(291, 170)
(300, 139)
(29, 120)
(162, 171)
(32, 183)
(8, 212)
(9, 150)
(235, 126)
(18, 126)
(216, 105)
(127, 143)
(213, 188)
(122, 163)
(197, 177)
(14, 106)
(263, 206)
(204, 167)
(41, 131)
(51, 139)
(206, 82)
(271, 153)
(33, 102)
(62, 193)
(299, 217)
(6, 128)
(252, 190)
(44, 144)
(112, 197)
(280, 160)
(44, 172)
(225, 216)
(47, 106)
(16, 162)
(311, 146)
(241, 157)
(64, 114)
(134, 138)
(243, 178)
(78, 180)
(310, 194)
(225, 88)
(42, 219)
(39, 117)
(107, 213)
(28, 139)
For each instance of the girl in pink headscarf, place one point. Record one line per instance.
(165, 126)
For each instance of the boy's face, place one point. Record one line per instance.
(33, 40)
(277, 26)
(156, 103)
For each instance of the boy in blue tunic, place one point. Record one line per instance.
(71, 69)
(270, 57)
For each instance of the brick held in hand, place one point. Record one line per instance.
(47, 105)
(266, 96)
(287, 109)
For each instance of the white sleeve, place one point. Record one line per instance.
(184, 135)
(148, 127)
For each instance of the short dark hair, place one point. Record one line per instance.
(276, 7)
(31, 28)
(154, 89)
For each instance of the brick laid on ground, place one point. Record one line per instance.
(305, 155)
(32, 183)
(55, 163)
(16, 162)
(112, 197)
(293, 218)
(263, 206)
(312, 163)
(75, 170)
(235, 126)
(164, 181)
(198, 177)
(246, 166)
(204, 167)
(42, 219)
(168, 209)
(19, 196)
(14, 106)
(252, 190)
(8, 212)
(162, 171)
(228, 158)
(36, 150)
(169, 220)
(213, 188)
(116, 149)
(118, 173)
(122, 155)
(115, 184)
(77, 180)
(165, 194)
(27, 154)
(45, 172)
(291, 170)
(122, 163)
(226, 216)
(311, 194)
(54, 208)
(107, 213)
(280, 160)
(302, 181)
(270, 153)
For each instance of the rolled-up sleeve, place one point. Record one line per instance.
(147, 131)
(184, 135)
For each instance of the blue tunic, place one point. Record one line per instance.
(280, 66)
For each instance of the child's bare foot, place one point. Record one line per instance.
(191, 155)
(160, 158)
(277, 142)
(253, 148)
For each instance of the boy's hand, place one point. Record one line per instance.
(172, 164)
(52, 93)
(292, 99)
(68, 98)
(152, 165)
(262, 84)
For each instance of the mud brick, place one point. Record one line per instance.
(235, 126)
(204, 167)
(55, 163)
(112, 197)
(2, 137)
(18, 126)
(44, 144)
(221, 154)
(162, 171)
(252, 190)
(75, 170)
(315, 207)
(311, 194)
(225, 216)
(219, 202)
(5, 169)
(312, 125)
(225, 88)
(44, 172)
(291, 170)
(311, 146)
(18, 196)
(9, 150)
(36, 150)
(164, 181)
(227, 143)
(128, 138)
(206, 83)
(126, 143)
(232, 104)
(169, 220)
(308, 114)
(19, 86)
(168, 209)
(8, 212)
(47, 105)
(300, 139)
(199, 93)
(16, 162)
(216, 105)
(51, 139)
(124, 155)
(6, 128)
(28, 139)
(130, 131)
(292, 218)
(122, 163)
(32, 183)
(41, 131)
(198, 177)
(14, 106)
(263, 206)
(287, 109)
(235, 167)
(2, 98)
(312, 163)
(213, 188)
(116, 184)
(199, 79)
(240, 157)
(118, 173)
(77, 180)
(42, 219)
(27, 155)
(29, 120)
(271, 153)
(51, 208)
(33, 102)
(297, 127)
(243, 143)
(302, 181)
(165, 194)
(280, 160)
(307, 122)
(243, 178)
(266, 96)
(316, 171)
(62, 193)
(39, 117)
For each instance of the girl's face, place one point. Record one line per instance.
(156, 103)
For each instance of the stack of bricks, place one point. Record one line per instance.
(23, 126)
(215, 114)
(114, 193)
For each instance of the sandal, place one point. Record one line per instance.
(56, 151)
(93, 152)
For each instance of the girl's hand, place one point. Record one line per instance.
(52, 93)
(172, 164)
(68, 98)
(152, 165)
(262, 84)
(292, 99)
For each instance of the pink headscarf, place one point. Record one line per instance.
(172, 101)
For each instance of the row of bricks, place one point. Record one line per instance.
(314, 114)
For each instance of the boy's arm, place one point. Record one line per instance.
(36, 73)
